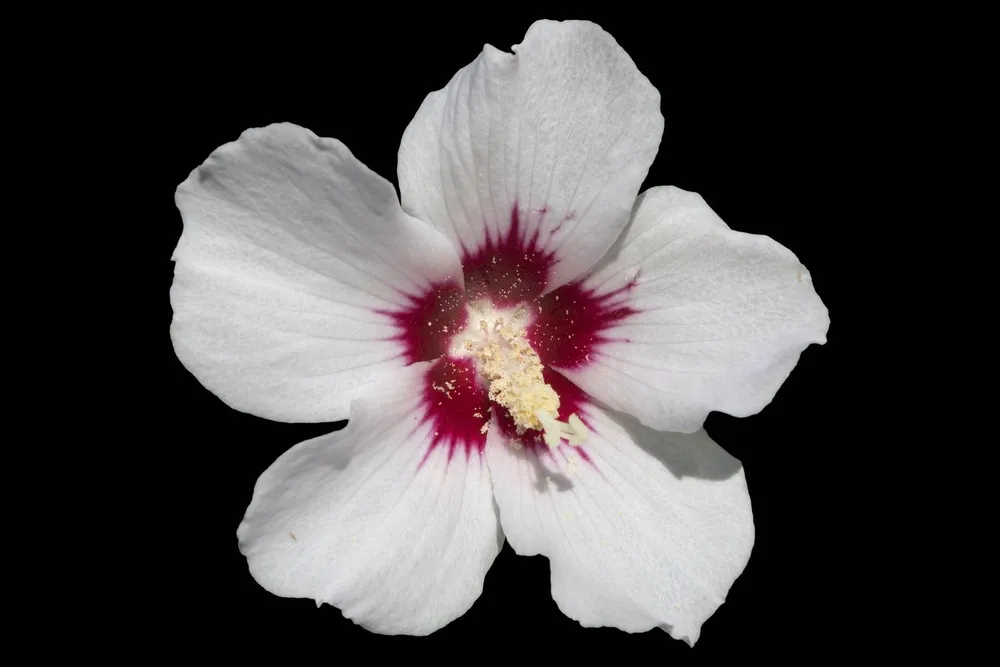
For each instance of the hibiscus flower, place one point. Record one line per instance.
(524, 348)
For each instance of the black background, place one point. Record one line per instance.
(753, 123)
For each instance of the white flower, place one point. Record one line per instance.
(524, 349)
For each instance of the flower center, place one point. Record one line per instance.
(497, 340)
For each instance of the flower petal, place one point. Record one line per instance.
(292, 259)
(642, 529)
(684, 316)
(530, 162)
(376, 520)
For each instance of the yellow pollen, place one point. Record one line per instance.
(514, 372)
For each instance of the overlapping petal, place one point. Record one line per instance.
(706, 318)
(551, 142)
(290, 248)
(642, 528)
(374, 520)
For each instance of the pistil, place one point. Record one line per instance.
(514, 372)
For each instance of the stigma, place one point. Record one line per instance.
(505, 360)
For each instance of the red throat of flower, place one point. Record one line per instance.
(496, 341)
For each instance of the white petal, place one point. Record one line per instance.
(555, 138)
(698, 317)
(642, 529)
(291, 256)
(376, 520)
